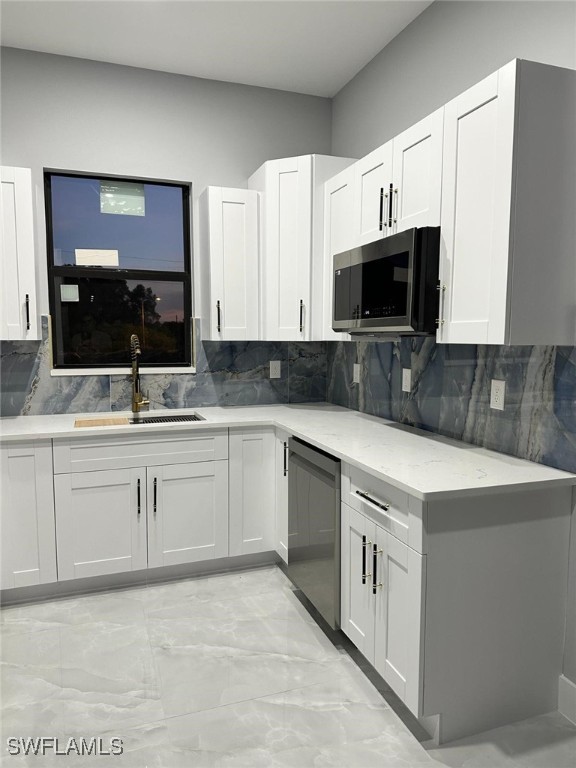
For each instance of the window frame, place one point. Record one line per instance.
(185, 277)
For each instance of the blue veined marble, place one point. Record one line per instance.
(306, 371)
(33, 391)
(450, 392)
(227, 373)
(18, 366)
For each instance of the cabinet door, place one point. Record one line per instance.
(18, 318)
(28, 545)
(372, 179)
(417, 171)
(287, 256)
(100, 522)
(398, 577)
(187, 512)
(338, 237)
(357, 600)
(233, 255)
(282, 495)
(252, 492)
(475, 221)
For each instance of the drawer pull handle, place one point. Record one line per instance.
(155, 494)
(301, 316)
(380, 504)
(138, 494)
(364, 545)
(285, 459)
(375, 553)
(27, 302)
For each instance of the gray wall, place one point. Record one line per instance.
(72, 114)
(448, 48)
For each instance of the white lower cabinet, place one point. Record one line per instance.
(252, 490)
(281, 538)
(129, 503)
(381, 605)
(118, 520)
(100, 522)
(187, 513)
(27, 503)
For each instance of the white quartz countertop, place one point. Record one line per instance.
(420, 463)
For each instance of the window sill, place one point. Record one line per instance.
(119, 371)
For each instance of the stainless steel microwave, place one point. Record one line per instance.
(390, 285)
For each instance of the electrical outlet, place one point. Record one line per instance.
(406, 379)
(275, 369)
(356, 374)
(497, 394)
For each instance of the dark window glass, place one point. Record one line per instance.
(97, 316)
(119, 263)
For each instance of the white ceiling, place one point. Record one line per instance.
(306, 46)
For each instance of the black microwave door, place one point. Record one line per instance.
(386, 289)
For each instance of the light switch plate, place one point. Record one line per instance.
(356, 374)
(275, 369)
(497, 394)
(406, 379)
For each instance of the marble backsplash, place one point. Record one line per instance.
(450, 392)
(227, 373)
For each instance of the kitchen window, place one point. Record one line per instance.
(118, 264)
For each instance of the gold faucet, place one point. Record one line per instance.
(139, 402)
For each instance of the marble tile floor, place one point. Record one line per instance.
(227, 670)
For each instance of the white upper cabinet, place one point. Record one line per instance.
(417, 174)
(229, 247)
(18, 313)
(508, 259)
(287, 237)
(338, 237)
(397, 186)
(292, 231)
(372, 182)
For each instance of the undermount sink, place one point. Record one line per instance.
(123, 420)
(165, 419)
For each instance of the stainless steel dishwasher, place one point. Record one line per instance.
(314, 527)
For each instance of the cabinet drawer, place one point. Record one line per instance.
(392, 509)
(87, 455)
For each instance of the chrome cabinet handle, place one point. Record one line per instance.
(27, 303)
(138, 495)
(375, 553)
(364, 545)
(390, 207)
(301, 316)
(155, 495)
(396, 201)
(382, 505)
(285, 458)
(442, 291)
(382, 223)
(219, 316)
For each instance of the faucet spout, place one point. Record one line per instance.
(139, 402)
